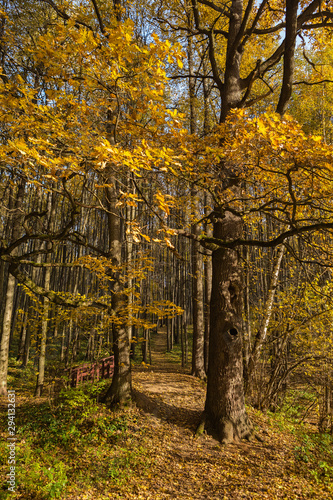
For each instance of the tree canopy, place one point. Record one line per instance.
(167, 162)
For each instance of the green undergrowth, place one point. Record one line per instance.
(175, 355)
(313, 451)
(74, 444)
(24, 378)
(73, 447)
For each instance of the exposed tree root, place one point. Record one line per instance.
(227, 431)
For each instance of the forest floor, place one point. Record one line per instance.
(75, 449)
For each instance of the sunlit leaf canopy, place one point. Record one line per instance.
(88, 90)
(90, 100)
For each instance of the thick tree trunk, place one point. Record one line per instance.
(225, 411)
(121, 387)
(225, 405)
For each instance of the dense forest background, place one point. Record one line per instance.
(169, 167)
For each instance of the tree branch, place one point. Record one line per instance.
(217, 243)
(98, 15)
(54, 296)
(65, 16)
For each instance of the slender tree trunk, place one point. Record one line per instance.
(208, 292)
(121, 386)
(172, 332)
(168, 334)
(63, 344)
(198, 365)
(182, 344)
(149, 346)
(130, 213)
(89, 345)
(9, 298)
(23, 331)
(42, 355)
(26, 348)
(76, 342)
(198, 368)
(46, 304)
(262, 332)
(145, 346)
(186, 343)
(69, 336)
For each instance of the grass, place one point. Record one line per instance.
(72, 447)
(71, 443)
(313, 451)
(175, 356)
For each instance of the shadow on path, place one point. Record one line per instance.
(166, 390)
(182, 417)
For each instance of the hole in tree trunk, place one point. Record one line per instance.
(233, 332)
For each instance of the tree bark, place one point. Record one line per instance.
(225, 404)
(121, 386)
(208, 291)
(267, 313)
(225, 411)
(42, 354)
(9, 299)
(198, 366)
(46, 304)
(7, 321)
(289, 55)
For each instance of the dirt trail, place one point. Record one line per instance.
(159, 349)
(186, 467)
(165, 389)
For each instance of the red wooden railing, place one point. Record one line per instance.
(93, 371)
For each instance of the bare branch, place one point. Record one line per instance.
(65, 16)
(303, 82)
(76, 301)
(320, 226)
(98, 15)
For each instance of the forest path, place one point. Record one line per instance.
(185, 467)
(159, 349)
(166, 390)
(161, 359)
(149, 452)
